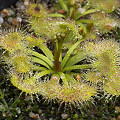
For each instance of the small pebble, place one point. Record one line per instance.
(22, 7)
(18, 110)
(2, 14)
(11, 12)
(19, 19)
(61, 11)
(40, 111)
(35, 116)
(4, 114)
(26, 3)
(31, 114)
(10, 19)
(64, 116)
(18, 4)
(1, 20)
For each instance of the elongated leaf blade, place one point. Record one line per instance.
(63, 5)
(37, 60)
(43, 73)
(84, 21)
(42, 57)
(78, 14)
(46, 51)
(75, 59)
(85, 66)
(71, 11)
(57, 15)
(65, 59)
(37, 68)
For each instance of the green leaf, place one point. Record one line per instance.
(46, 51)
(77, 14)
(85, 66)
(63, 5)
(37, 68)
(42, 57)
(71, 11)
(65, 59)
(37, 60)
(57, 15)
(45, 72)
(84, 21)
(75, 59)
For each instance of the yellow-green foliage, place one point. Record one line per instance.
(104, 22)
(29, 68)
(105, 5)
(38, 19)
(21, 61)
(51, 28)
(112, 85)
(94, 77)
(16, 45)
(107, 60)
(107, 55)
(12, 41)
(43, 25)
(26, 85)
(74, 93)
(32, 41)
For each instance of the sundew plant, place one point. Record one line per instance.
(60, 73)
